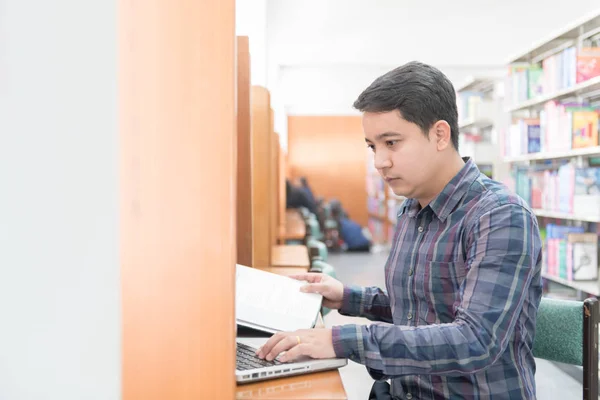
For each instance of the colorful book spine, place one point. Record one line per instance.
(588, 63)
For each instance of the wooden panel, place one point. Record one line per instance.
(282, 196)
(177, 233)
(261, 176)
(244, 182)
(331, 152)
(287, 271)
(318, 386)
(293, 255)
(295, 227)
(274, 168)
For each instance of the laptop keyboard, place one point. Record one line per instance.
(247, 359)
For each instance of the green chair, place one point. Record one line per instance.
(320, 248)
(331, 234)
(318, 265)
(567, 332)
(305, 212)
(313, 228)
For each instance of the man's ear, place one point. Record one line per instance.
(442, 134)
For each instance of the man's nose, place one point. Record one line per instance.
(382, 160)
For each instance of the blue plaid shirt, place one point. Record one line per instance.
(463, 287)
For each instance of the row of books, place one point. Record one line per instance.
(376, 206)
(378, 230)
(468, 104)
(375, 186)
(570, 253)
(561, 126)
(568, 189)
(559, 71)
(474, 106)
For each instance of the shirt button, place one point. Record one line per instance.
(409, 396)
(420, 229)
(410, 272)
(409, 316)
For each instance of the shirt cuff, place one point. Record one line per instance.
(353, 301)
(347, 342)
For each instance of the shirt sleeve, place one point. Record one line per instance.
(370, 302)
(503, 257)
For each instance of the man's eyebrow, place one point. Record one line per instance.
(385, 135)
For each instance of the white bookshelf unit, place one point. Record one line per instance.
(478, 108)
(553, 135)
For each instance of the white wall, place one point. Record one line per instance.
(333, 89)
(392, 32)
(251, 21)
(59, 264)
(322, 54)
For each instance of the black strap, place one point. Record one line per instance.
(381, 391)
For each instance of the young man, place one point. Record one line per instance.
(463, 278)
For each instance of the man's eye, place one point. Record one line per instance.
(370, 146)
(390, 143)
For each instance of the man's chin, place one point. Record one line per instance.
(401, 192)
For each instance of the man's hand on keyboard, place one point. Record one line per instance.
(314, 343)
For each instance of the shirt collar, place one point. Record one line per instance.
(443, 204)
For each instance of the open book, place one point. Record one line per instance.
(270, 303)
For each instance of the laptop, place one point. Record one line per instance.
(250, 368)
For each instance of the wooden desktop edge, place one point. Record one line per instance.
(290, 256)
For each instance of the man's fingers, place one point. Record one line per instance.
(282, 345)
(314, 288)
(272, 342)
(295, 352)
(310, 277)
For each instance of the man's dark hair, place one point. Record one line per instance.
(421, 93)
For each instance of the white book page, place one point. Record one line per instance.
(273, 301)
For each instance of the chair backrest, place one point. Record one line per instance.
(567, 331)
(313, 228)
(317, 248)
(559, 331)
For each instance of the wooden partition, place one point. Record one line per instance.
(244, 155)
(261, 176)
(274, 167)
(282, 175)
(331, 152)
(177, 234)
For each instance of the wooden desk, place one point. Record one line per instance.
(287, 271)
(293, 255)
(321, 385)
(295, 228)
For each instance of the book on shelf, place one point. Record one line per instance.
(566, 189)
(556, 72)
(582, 256)
(586, 191)
(557, 254)
(588, 63)
(585, 129)
(561, 127)
(468, 103)
(378, 230)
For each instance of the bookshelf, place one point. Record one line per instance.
(589, 287)
(382, 205)
(566, 216)
(475, 123)
(589, 88)
(376, 203)
(552, 100)
(478, 109)
(570, 153)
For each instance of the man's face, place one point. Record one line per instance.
(404, 156)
